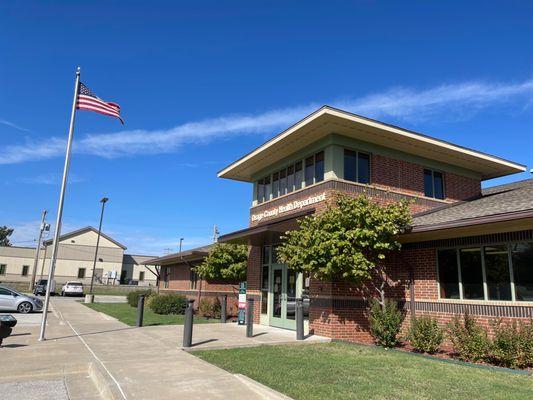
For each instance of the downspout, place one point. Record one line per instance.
(412, 294)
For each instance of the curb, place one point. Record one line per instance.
(260, 389)
(105, 386)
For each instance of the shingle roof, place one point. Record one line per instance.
(497, 200)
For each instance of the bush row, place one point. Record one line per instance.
(511, 344)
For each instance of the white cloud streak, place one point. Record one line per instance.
(399, 103)
(13, 125)
(48, 179)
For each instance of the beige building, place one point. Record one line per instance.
(75, 261)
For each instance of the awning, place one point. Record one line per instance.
(268, 232)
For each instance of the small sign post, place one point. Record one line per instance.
(241, 317)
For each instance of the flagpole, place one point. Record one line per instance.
(57, 232)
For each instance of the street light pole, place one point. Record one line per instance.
(36, 259)
(103, 201)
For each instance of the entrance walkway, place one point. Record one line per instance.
(130, 363)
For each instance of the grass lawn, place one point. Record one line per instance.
(127, 314)
(344, 371)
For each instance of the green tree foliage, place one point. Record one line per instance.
(5, 233)
(226, 262)
(348, 241)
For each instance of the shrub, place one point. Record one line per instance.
(469, 340)
(512, 344)
(133, 297)
(425, 334)
(168, 304)
(385, 323)
(209, 308)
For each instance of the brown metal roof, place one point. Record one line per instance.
(197, 253)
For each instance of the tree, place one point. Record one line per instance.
(5, 233)
(348, 241)
(226, 262)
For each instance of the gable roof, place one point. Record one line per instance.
(84, 230)
(328, 120)
(497, 203)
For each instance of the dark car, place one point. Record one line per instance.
(40, 287)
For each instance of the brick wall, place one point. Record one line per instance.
(408, 178)
(340, 310)
(392, 180)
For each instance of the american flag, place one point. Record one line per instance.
(87, 100)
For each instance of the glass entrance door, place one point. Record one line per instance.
(284, 289)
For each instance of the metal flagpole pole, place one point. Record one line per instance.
(36, 260)
(57, 232)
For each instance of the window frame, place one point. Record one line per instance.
(141, 276)
(357, 177)
(193, 278)
(3, 269)
(25, 270)
(265, 186)
(84, 273)
(433, 183)
(508, 246)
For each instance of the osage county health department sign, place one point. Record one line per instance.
(292, 206)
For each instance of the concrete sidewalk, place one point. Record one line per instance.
(103, 357)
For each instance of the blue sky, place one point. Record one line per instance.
(202, 84)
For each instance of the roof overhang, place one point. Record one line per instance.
(178, 258)
(505, 222)
(328, 120)
(269, 232)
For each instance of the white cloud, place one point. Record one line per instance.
(48, 179)
(13, 125)
(399, 103)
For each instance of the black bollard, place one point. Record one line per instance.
(187, 328)
(250, 318)
(299, 319)
(140, 311)
(223, 308)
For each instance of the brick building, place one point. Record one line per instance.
(468, 248)
(178, 276)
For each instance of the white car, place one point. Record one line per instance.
(72, 288)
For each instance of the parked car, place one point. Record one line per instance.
(40, 287)
(72, 288)
(11, 300)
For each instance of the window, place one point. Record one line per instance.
(3, 269)
(193, 277)
(448, 274)
(522, 259)
(5, 292)
(298, 175)
(487, 273)
(290, 179)
(260, 190)
(282, 182)
(309, 170)
(433, 184)
(81, 273)
(471, 274)
(264, 279)
(25, 269)
(141, 276)
(319, 167)
(497, 273)
(356, 166)
(275, 185)
(267, 188)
